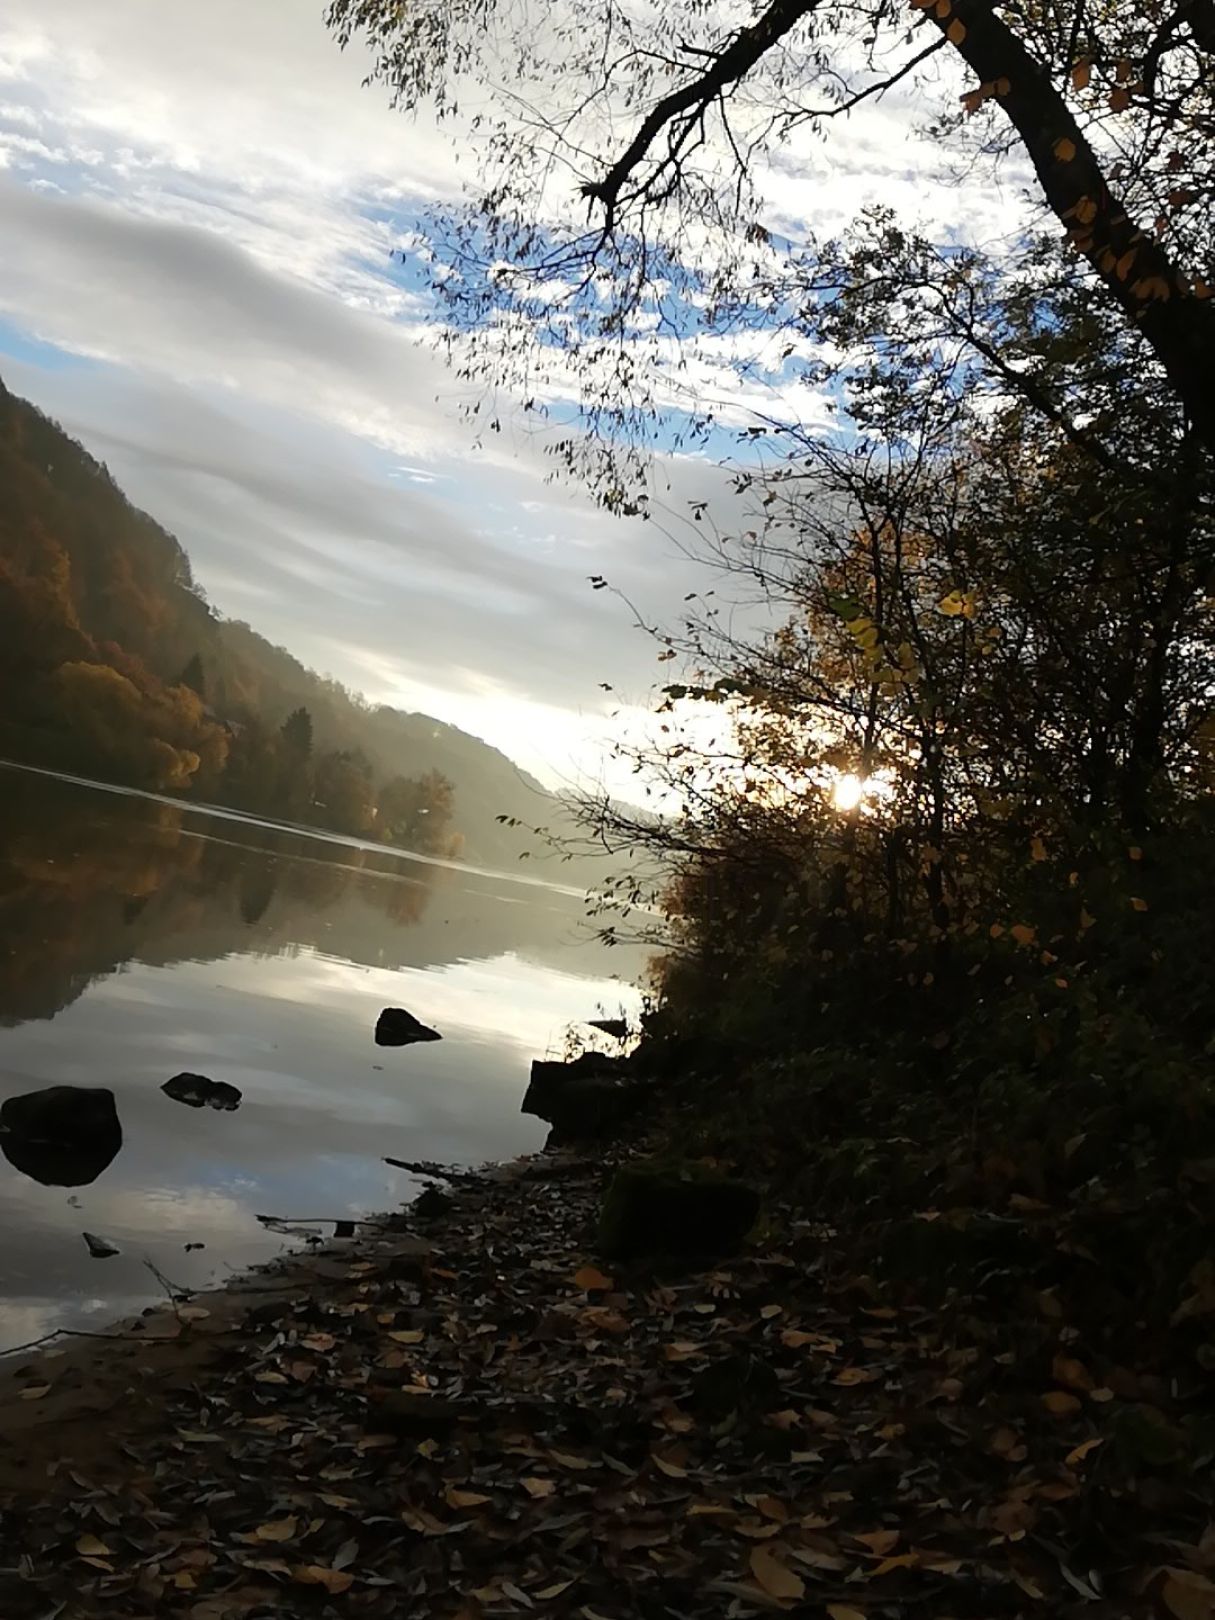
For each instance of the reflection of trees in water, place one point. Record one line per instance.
(90, 881)
(256, 890)
(87, 884)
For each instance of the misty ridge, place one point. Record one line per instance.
(118, 668)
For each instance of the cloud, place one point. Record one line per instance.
(198, 206)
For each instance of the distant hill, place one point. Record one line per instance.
(113, 664)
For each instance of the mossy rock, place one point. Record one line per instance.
(655, 1208)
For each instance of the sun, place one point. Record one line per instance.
(847, 791)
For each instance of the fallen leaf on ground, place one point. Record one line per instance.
(1059, 1403)
(333, 1580)
(463, 1499)
(91, 1547)
(773, 1577)
(538, 1487)
(592, 1281)
(879, 1542)
(1188, 1595)
(1080, 1452)
(277, 1529)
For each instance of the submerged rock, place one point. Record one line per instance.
(62, 1136)
(653, 1208)
(396, 1027)
(196, 1091)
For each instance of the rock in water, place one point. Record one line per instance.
(100, 1248)
(396, 1027)
(196, 1091)
(63, 1136)
(587, 1098)
(652, 1208)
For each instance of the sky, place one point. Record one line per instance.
(198, 206)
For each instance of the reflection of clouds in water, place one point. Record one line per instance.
(284, 1008)
(501, 1002)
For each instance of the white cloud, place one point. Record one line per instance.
(200, 202)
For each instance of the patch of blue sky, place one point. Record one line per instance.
(19, 344)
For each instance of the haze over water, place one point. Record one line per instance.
(140, 938)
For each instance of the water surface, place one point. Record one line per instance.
(139, 938)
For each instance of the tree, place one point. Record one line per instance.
(344, 798)
(662, 116)
(296, 732)
(416, 812)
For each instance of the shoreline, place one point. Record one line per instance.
(82, 1369)
(477, 1416)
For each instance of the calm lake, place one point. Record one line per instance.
(139, 939)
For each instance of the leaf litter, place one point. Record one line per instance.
(486, 1424)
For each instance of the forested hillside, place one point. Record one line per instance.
(113, 664)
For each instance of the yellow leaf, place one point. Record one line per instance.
(795, 1339)
(773, 1577)
(850, 1376)
(996, 930)
(538, 1488)
(1065, 150)
(879, 1542)
(907, 1560)
(333, 1580)
(1037, 850)
(1080, 1452)
(1134, 853)
(1188, 1595)
(1059, 1403)
(463, 1499)
(1081, 74)
(277, 1529)
(1023, 933)
(673, 1470)
(956, 32)
(591, 1280)
(1137, 904)
(842, 1611)
(90, 1547)
(1067, 1370)
(408, 1336)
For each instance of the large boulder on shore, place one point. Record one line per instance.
(196, 1091)
(396, 1027)
(62, 1136)
(587, 1098)
(652, 1208)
